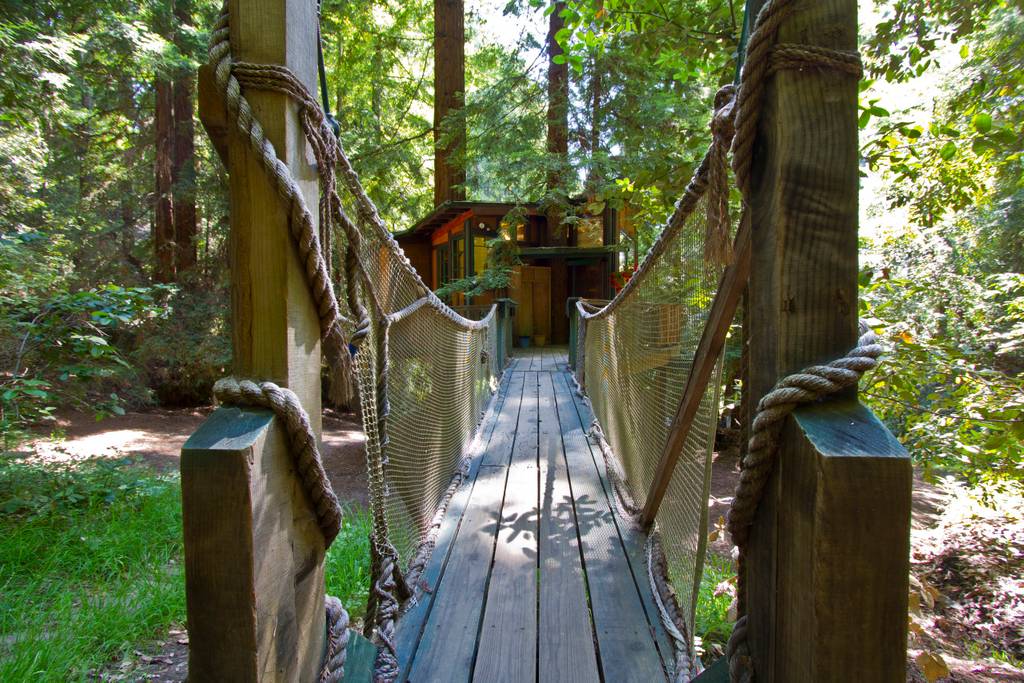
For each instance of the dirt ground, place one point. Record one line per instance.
(157, 437)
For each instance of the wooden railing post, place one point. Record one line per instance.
(828, 562)
(254, 554)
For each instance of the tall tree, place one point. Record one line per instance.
(163, 219)
(163, 130)
(558, 121)
(183, 168)
(596, 93)
(449, 94)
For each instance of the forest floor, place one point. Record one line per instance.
(967, 560)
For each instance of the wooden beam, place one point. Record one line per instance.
(255, 556)
(828, 558)
(213, 114)
(723, 309)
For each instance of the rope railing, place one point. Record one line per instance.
(424, 371)
(649, 360)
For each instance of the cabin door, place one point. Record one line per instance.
(531, 289)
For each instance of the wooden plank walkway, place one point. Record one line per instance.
(535, 577)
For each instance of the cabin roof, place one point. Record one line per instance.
(449, 210)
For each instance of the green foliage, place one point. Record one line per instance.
(90, 562)
(952, 389)
(948, 285)
(379, 62)
(58, 350)
(502, 257)
(712, 624)
(348, 562)
(182, 352)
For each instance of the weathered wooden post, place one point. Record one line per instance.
(253, 551)
(828, 562)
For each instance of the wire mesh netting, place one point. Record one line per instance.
(634, 357)
(441, 369)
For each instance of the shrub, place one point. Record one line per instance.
(60, 349)
(182, 353)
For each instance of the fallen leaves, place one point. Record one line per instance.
(932, 666)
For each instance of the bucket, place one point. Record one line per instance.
(539, 340)
(524, 342)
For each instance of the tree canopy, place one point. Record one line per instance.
(113, 213)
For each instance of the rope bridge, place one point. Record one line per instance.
(648, 361)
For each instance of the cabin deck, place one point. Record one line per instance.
(535, 576)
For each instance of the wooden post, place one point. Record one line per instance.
(254, 554)
(828, 562)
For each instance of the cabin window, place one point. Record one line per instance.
(480, 252)
(443, 255)
(458, 245)
(590, 232)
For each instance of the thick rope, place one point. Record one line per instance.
(385, 599)
(301, 441)
(810, 385)
(718, 235)
(798, 57)
(753, 79)
(668, 608)
(333, 670)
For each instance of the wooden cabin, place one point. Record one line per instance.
(451, 242)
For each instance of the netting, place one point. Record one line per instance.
(634, 356)
(436, 369)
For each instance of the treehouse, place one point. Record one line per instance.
(580, 260)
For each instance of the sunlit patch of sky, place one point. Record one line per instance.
(524, 32)
(911, 101)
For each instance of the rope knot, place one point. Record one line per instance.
(302, 443)
(723, 122)
(717, 238)
(809, 385)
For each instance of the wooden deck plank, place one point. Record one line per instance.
(508, 636)
(500, 448)
(411, 624)
(448, 643)
(510, 600)
(566, 637)
(633, 539)
(626, 639)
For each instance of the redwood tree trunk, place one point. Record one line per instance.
(183, 169)
(163, 223)
(596, 93)
(558, 123)
(449, 91)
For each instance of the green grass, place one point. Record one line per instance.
(348, 562)
(90, 565)
(712, 622)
